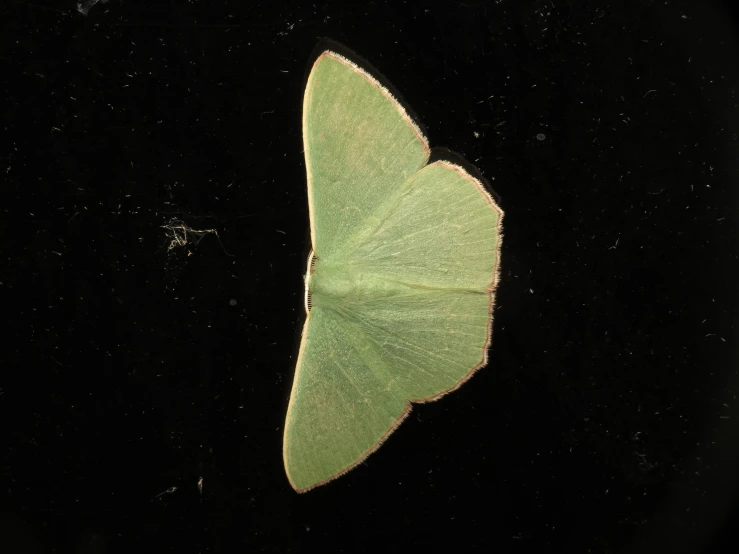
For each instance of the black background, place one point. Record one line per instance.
(607, 419)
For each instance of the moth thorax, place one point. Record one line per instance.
(333, 284)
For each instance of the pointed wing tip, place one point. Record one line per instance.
(343, 471)
(376, 83)
(310, 487)
(286, 464)
(296, 488)
(302, 489)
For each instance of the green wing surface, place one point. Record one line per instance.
(360, 147)
(402, 280)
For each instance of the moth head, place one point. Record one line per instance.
(310, 271)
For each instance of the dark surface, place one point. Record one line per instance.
(607, 418)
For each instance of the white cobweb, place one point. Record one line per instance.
(84, 6)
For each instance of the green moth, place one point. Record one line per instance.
(399, 290)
